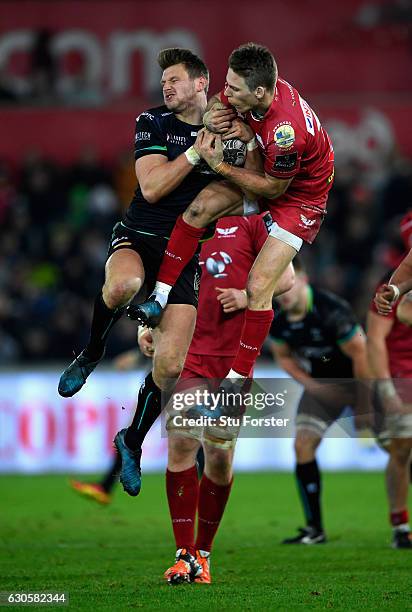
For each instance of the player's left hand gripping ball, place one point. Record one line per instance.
(211, 148)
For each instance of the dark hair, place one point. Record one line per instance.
(194, 65)
(256, 65)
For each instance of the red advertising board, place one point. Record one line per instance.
(343, 58)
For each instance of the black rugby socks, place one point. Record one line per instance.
(149, 407)
(110, 478)
(309, 485)
(102, 322)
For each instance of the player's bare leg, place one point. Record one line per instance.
(397, 487)
(215, 201)
(271, 263)
(171, 343)
(286, 281)
(172, 339)
(124, 276)
(309, 487)
(264, 277)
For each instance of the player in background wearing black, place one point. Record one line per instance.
(315, 337)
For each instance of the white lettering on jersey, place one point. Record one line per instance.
(310, 116)
(147, 115)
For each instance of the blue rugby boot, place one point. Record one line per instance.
(76, 374)
(147, 313)
(130, 473)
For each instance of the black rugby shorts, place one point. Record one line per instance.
(151, 249)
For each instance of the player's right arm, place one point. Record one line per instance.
(157, 176)
(282, 353)
(379, 328)
(256, 183)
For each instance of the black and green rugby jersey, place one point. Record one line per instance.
(315, 339)
(158, 131)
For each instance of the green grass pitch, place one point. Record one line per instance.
(113, 558)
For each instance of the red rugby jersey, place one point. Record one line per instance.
(226, 260)
(294, 144)
(398, 343)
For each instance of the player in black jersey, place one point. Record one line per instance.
(164, 140)
(315, 337)
(169, 177)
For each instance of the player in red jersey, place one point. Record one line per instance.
(226, 261)
(401, 280)
(293, 181)
(389, 349)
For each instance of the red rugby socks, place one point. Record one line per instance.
(182, 494)
(212, 503)
(180, 249)
(255, 329)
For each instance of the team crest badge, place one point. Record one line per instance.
(284, 136)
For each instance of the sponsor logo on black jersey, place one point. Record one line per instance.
(174, 139)
(142, 136)
(147, 115)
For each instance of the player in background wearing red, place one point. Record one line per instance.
(221, 325)
(226, 261)
(293, 183)
(401, 280)
(390, 357)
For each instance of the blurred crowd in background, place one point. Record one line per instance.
(56, 223)
(56, 218)
(55, 226)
